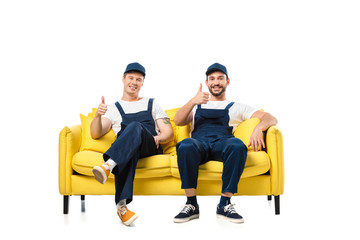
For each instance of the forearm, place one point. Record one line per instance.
(266, 121)
(166, 132)
(165, 137)
(182, 115)
(96, 127)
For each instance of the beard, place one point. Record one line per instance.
(219, 93)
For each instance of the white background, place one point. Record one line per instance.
(298, 60)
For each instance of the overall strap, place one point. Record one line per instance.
(229, 105)
(150, 104)
(122, 113)
(199, 106)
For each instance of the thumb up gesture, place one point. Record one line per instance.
(102, 107)
(201, 97)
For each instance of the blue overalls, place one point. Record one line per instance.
(212, 139)
(134, 141)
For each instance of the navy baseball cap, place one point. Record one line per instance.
(135, 67)
(216, 67)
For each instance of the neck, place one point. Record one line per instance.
(130, 98)
(222, 97)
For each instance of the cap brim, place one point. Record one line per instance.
(135, 70)
(214, 70)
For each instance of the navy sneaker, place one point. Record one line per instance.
(188, 213)
(229, 213)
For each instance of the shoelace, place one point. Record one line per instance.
(106, 166)
(186, 209)
(230, 208)
(123, 210)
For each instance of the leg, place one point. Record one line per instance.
(128, 144)
(82, 197)
(190, 153)
(142, 144)
(66, 204)
(277, 205)
(233, 153)
(269, 197)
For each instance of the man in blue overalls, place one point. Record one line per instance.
(139, 124)
(214, 119)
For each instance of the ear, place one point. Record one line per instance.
(227, 81)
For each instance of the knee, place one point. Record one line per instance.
(235, 144)
(185, 145)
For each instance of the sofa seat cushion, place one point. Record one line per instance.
(257, 163)
(154, 166)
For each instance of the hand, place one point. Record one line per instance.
(201, 97)
(102, 107)
(257, 140)
(157, 140)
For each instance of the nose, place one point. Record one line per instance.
(216, 82)
(133, 81)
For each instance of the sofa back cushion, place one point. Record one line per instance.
(243, 131)
(180, 133)
(88, 143)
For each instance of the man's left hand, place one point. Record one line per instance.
(257, 140)
(157, 141)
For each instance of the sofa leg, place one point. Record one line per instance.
(82, 203)
(269, 197)
(66, 204)
(277, 205)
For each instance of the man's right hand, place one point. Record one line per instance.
(102, 107)
(201, 97)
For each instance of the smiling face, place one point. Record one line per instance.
(133, 81)
(217, 83)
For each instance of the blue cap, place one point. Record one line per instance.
(135, 67)
(216, 67)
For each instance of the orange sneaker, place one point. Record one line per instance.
(101, 173)
(126, 216)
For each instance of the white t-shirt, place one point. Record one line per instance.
(238, 112)
(114, 115)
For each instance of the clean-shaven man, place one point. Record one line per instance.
(140, 125)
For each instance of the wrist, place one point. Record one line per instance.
(193, 102)
(258, 128)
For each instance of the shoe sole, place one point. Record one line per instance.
(230, 219)
(182, 220)
(99, 174)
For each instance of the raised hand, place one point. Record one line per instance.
(201, 97)
(102, 107)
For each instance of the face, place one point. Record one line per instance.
(133, 81)
(217, 83)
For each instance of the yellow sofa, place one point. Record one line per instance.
(159, 175)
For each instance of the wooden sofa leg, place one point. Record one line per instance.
(66, 204)
(82, 203)
(277, 205)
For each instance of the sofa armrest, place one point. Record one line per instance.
(275, 150)
(69, 144)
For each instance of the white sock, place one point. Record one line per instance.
(111, 164)
(121, 203)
